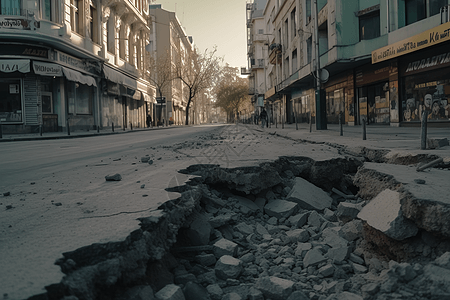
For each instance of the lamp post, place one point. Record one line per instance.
(321, 116)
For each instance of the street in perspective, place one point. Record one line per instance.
(224, 150)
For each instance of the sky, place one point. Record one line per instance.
(214, 23)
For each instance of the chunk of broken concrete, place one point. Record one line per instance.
(384, 214)
(224, 247)
(347, 211)
(280, 208)
(228, 267)
(115, 177)
(309, 196)
(437, 143)
(313, 257)
(170, 292)
(274, 287)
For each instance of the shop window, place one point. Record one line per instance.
(50, 10)
(369, 26)
(11, 100)
(11, 7)
(76, 16)
(80, 99)
(93, 23)
(47, 102)
(427, 92)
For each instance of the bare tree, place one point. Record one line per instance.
(232, 95)
(161, 72)
(197, 71)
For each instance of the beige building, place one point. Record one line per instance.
(168, 36)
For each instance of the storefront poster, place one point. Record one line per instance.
(393, 100)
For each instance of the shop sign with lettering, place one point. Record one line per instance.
(420, 41)
(18, 22)
(70, 61)
(23, 50)
(12, 65)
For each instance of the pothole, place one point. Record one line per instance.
(288, 229)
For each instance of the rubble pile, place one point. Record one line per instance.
(296, 241)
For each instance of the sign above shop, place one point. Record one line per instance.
(47, 69)
(420, 41)
(12, 65)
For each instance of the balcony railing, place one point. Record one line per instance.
(245, 71)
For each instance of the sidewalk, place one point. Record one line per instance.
(73, 134)
(396, 139)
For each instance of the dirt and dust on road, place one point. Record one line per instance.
(265, 216)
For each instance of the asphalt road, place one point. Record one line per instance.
(24, 160)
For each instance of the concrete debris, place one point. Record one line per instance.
(228, 267)
(346, 211)
(309, 196)
(115, 177)
(280, 208)
(170, 292)
(437, 143)
(274, 287)
(384, 214)
(224, 247)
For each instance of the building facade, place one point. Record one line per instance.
(169, 38)
(74, 64)
(385, 61)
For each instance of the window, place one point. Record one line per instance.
(308, 11)
(294, 60)
(369, 26)
(50, 10)
(260, 31)
(80, 98)
(293, 23)
(93, 23)
(323, 38)
(10, 7)
(436, 5)
(10, 102)
(286, 34)
(416, 10)
(110, 34)
(76, 16)
(308, 50)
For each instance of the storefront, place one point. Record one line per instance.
(374, 84)
(340, 99)
(425, 85)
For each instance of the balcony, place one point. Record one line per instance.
(275, 54)
(245, 71)
(252, 91)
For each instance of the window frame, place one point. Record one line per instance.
(365, 17)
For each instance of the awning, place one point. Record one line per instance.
(12, 65)
(76, 76)
(47, 69)
(118, 77)
(147, 98)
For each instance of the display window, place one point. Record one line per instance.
(10, 101)
(428, 91)
(80, 98)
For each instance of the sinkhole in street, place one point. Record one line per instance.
(287, 229)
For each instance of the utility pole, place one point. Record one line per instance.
(321, 115)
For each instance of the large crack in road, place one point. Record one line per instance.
(253, 231)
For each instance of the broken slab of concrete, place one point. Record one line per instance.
(437, 143)
(280, 208)
(309, 196)
(384, 214)
(427, 205)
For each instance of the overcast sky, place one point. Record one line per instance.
(214, 22)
